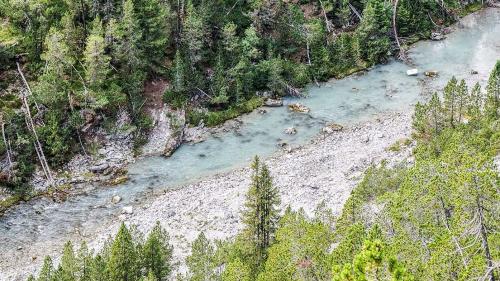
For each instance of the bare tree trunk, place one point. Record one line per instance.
(402, 53)
(484, 239)
(453, 238)
(355, 11)
(31, 126)
(7, 147)
(327, 22)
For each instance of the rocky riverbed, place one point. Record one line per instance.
(326, 169)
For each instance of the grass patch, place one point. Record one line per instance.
(214, 118)
(9, 202)
(471, 8)
(399, 145)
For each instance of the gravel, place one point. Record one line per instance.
(326, 169)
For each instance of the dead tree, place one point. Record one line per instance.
(402, 51)
(328, 24)
(7, 147)
(31, 127)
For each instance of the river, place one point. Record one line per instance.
(475, 45)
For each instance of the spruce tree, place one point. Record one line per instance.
(450, 101)
(475, 106)
(373, 31)
(47, 272)
(492, 103)
(97, 66)
(157, 253)
(193, 35)
(155, 21)
(69, 265)
(201, 263)
(130, 56)
(123, 260)
(261, 213)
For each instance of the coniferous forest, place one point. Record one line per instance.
(434, 220)
(83, 62)
(71, 68)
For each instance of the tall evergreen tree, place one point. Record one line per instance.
(261, 213)
(201, 261)
(492, 103)
(193, 35)
(69, 265)
(374, 30)
(123, 260)
(155, 19)
(157, 253)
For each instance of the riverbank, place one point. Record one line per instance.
(107, 164)
(326, 169)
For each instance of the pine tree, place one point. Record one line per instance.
(130, 56)
(372, 263)
(193, 35)
(85, 260)
(97, 66)
(450, 101)
(123, 259)
(492, 103)
(373, 31)
(155, 21)
(157, 253)
(201, 261)
(47, 272)
(69, 265)
(220, 84)
(462, 100)
(261, 213)
(179, 79)
(236, 271)
(476, 102)
(230, 43)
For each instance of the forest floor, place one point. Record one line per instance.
(326, 169)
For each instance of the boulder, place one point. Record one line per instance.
(118, 180)
(128, 210)
(273, 102)
(282, 144)
(332, 127)
(474, 72)
(297, 107)
(116, 199)
(412, 72)
(171, 146)
(99, 168)
(437, 36)
(431, 73)
(290, 131)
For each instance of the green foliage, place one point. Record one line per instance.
(300, 251)
(373, 31)
(261, 214)
(372, 263)
(157, 253)
(201, 262)
(123, 258)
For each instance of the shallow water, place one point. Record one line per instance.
(474, 46)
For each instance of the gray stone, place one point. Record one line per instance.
(128, 210)
(290, 131)
(116, 199)
(99, 168)
(273, 102)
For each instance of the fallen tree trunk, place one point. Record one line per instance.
(31, 127)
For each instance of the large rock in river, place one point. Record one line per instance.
(273, 102)
(297, 107)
